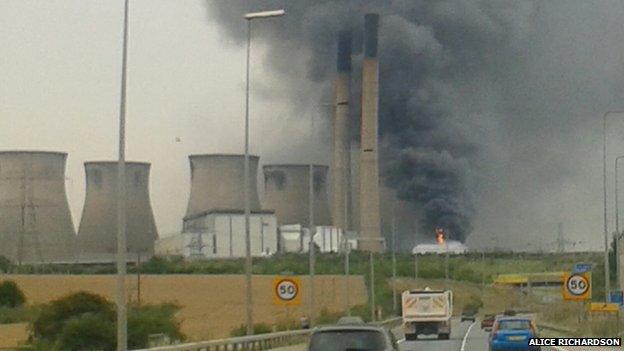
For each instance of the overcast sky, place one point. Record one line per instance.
(59, 90)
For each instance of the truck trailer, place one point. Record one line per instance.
(427, 312)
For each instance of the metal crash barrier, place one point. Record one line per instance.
(254, 342)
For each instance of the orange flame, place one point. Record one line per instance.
(440, 236)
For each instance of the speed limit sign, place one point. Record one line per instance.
(576, 286)
(286, 291)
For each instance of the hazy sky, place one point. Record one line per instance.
(59, 90)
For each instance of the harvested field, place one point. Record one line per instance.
(12, 335)
(212, 305)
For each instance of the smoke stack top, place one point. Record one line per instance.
(344, 51)
(371, 27)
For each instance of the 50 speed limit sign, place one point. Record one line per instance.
(576, 286)
(286, 291)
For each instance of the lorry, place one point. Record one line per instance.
(427, 312)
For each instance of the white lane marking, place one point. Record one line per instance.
(463, 345)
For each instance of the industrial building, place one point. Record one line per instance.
(294, 238)
(222, 233)
(35, 221)
(217, 183)
(287, 191)
(453, 247)
(341, 168)
(215, 218)
(370, 222)
(97, 234)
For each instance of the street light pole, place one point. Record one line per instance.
(347, 248)
(120, 293)
(604, 188)
(372, 286)
(248, 262)
(311, 240)
(617, 224)
(394, 293)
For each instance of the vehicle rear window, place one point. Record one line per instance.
(519, 324)
(348, 340)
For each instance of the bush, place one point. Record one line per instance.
(85, 321)
(55, 314)
(87, 332)
(18, 314)
(152, 319)
(11, 295)
(5, 264)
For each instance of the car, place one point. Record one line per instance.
(487, 322)
(350, 320)
(512, 333)
(468, 315)
(352, 338)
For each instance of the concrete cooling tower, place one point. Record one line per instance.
(287, 192)
(97, 234)
(35, 222)
(217, 183)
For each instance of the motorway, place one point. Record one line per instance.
(465, 336)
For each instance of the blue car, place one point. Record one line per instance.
(512, 334)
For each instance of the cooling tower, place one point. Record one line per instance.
(217, 183)
(287, 192)
(97, 234)
(342, 158)
(35, 222)
(370, 236)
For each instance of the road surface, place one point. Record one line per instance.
(465, 336)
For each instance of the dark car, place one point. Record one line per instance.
(488, 321)
(352, 338)
(512, 334)
(469, 315)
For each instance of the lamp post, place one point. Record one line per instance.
(248, 263)
(604, 188)
(394, 293)
(617, 222)
(120, 291)
(311, 257)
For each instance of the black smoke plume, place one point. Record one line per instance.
(428, 51)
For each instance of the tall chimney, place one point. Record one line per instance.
(342, 158)
(370, 231)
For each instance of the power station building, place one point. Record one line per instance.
(287, 191)
(214, 224)
(97, 234)
(35, 221)
(370, 221)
